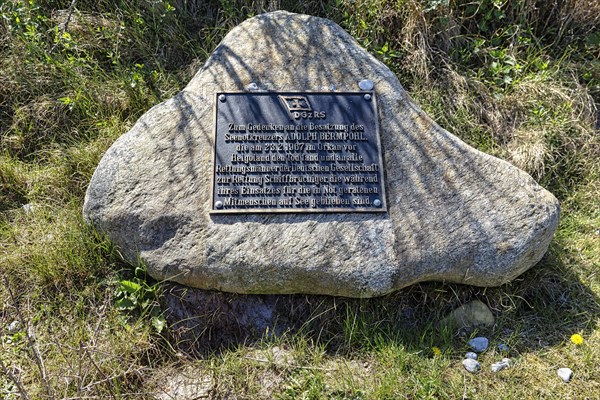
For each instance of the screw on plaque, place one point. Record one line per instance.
(377, 203)
(367, 97)
(222, 98)
(219, 204)
(366, 84)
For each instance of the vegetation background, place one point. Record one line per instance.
(518, 79)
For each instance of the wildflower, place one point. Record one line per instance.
(436, 351)
(577, 339)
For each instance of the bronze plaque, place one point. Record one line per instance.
(297, 152)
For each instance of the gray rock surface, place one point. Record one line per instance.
(454, 213)
(479, 344)
(471, 365)
(471, 355)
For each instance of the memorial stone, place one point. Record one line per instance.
(295, 162)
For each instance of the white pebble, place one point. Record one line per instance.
(471, 355)
(479, 344)
(505, 363)
(471, 365)
(13, 326)
(565, 374)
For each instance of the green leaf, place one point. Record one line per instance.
(124, 304)
(129, 286)
(593, 39)
(66, 100)
(159, 323)
(144, 305)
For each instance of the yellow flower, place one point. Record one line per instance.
(577, 339)
(436, 351)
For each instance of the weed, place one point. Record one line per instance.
(139, 294)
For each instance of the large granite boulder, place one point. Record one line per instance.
(454, 213)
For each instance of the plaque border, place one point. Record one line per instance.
(382, 209)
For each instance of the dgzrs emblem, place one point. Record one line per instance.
(298, 107)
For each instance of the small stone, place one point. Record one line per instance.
(472, 314)
(252, 86)
(28, 208)
(565, 374)
(366, 84)
(471, 365)
(14, 326)
(505, 363)
(479, 344)
(503, 347)
(471, 355)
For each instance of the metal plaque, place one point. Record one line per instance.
(297, 152)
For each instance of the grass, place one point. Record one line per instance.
(513, 79)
